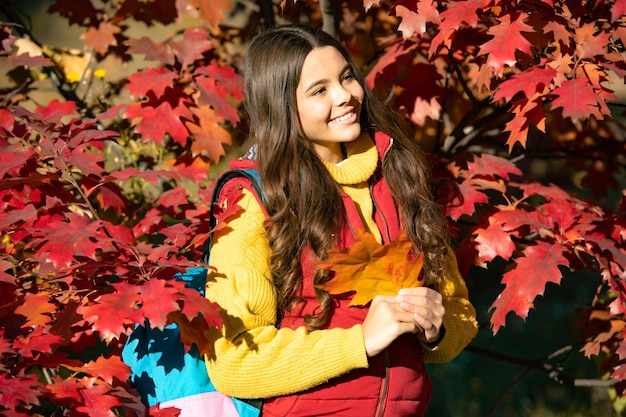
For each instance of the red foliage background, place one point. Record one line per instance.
(103, 186)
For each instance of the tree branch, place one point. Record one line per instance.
(553, 371)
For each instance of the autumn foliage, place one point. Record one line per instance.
(104, 181)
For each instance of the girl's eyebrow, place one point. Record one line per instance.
(315, 84)
(324, 81)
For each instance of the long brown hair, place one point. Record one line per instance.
(301, 194)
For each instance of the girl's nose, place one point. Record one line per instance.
(342, 96)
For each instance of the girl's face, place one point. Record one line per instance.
(329, 101)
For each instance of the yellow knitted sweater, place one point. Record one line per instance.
(251, 357)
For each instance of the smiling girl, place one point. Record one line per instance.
(332, 159)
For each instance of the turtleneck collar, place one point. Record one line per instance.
(359, 165)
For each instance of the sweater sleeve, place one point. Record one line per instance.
(251, 358)
(460, 318)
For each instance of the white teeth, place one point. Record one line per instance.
(344, 117)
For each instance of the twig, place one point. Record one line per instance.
(554, 372)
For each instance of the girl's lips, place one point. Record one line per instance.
(347, 118)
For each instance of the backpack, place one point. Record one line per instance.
(162, 371)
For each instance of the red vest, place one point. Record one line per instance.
(396, 383)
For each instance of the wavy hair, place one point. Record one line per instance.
(302, 197)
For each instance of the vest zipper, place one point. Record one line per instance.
(348, 222)
(371, 187)
(385, 388)
(382, 214)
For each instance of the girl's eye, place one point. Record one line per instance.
(348, 76)
(318, 91)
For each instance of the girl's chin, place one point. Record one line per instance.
(348, 133)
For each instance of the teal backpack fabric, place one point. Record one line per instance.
(162, 371)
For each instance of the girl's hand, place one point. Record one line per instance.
(426, 306)
(385, 321)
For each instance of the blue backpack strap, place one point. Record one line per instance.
(162, 370)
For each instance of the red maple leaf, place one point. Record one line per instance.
(415, 22)
(549, 192)
(457, 15)
(215, 84)
(162, 252)
(559, 31)
(108, 368)
(494, 241)
(160, 52)
(87, 161)
(529, 82)
(65, 388)
(56, 110)
(212, 11)
(489, 166)
(23, 389)
(27, 214)
(101, 38)
(562, 212)
(110, 196)
(527, 113)
(174, 197)
(518, 126)
(110, 313)
(194, 44)
(197, 170)
(159, 298)
(539, 266)
(209, 136)
(589, 42)
(226, 210)
(151, 79)
(155, 123)
(37, 309)
(469, 197)
(515, 219)
(97, 400)
(225, 76)
(13, 158)
(76, 236)
(577, 98)
(40, 340)
(507, 38)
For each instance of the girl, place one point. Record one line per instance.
(332, 159)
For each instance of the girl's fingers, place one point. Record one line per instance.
(427, 308)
